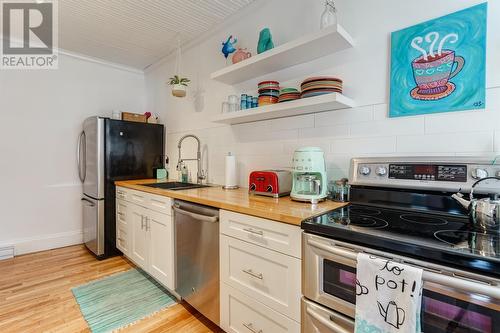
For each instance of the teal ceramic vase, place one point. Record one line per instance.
(265, 41)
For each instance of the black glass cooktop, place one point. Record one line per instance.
(438, 236)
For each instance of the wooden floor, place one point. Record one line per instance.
(35, 295)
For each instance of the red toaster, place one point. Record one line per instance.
(273, 183)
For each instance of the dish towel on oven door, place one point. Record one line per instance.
(388, 296)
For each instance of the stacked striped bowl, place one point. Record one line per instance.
(320, 85)
(288, 94)
(269, 92)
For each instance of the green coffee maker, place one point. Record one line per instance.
(309, 175)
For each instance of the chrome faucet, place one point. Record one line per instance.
(200, 174)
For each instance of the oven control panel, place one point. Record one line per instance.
(450, 174)
(429, 172)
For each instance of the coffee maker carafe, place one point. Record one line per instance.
(309, 175)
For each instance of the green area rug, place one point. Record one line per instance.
(119, 300)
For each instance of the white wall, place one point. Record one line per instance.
(41, 114)
(365, 130)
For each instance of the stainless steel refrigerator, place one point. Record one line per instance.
(110, 150)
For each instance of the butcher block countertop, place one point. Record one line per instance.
(282, 209)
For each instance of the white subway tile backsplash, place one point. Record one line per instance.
(496, 142)
(304, 121)
(375, 145)
(323, 132)
(394, 126)
(345, 116)
(380, 111)
(344, 134)
(446, 143)
(467, 121)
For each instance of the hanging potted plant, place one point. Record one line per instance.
(179, 85)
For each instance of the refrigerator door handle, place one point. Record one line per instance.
(81, 142)
(90, 202)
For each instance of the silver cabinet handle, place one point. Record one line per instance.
(253, 231)
(142, 222)
(334, 327)
(148, 224)
(249, 326)
(251, 273)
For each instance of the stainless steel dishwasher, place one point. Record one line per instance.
(197, 257)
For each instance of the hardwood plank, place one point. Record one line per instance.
(35, 295)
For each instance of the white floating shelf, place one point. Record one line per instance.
(333, 101)
(304, 49)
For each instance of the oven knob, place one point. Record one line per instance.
(479, 173)
(253, 187)
(381, 171)
(269, 188)
(365, 171)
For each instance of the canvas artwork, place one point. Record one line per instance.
(439, 65)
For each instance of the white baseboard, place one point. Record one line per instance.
(45, 242)
(6, 252)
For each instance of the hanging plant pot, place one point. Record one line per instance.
(179, 90)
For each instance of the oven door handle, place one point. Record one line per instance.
(468, 285)
(328, 323)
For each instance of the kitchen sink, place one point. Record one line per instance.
(175, 186)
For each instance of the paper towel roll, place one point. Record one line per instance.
(231, 177)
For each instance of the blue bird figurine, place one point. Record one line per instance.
(228, 46)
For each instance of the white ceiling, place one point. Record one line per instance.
(137, 33)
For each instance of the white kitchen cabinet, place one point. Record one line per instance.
(242, 314)
(161, 240)
(140, 248)
(260, 274)
(277, 236)
(144, 230)
(270, 277)
(123, 228)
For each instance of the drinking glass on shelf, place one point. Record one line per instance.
(233, 107)
(225, 107)
(232, 99)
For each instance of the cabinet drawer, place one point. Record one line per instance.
(133, 196)
(269, 277)
(122, 226)
(241, 314)
(137, 197)
(318, 319)
(122, 239)
(281, 237)
(121, 193)
(159, 203)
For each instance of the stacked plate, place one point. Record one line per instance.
(320, 85)
(269, 92)
(288, 94)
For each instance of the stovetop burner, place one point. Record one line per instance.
(471, 241)
(355, 220)
(364, 210)
(423, 219)
(445, 238)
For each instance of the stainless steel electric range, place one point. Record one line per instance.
(402, 209)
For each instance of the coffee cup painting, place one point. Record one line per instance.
(439, 65)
